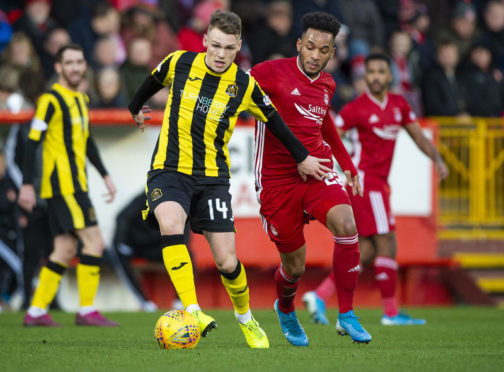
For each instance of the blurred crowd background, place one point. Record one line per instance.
(447, 59)
(447, 56)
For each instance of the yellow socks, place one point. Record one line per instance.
(88, 278)
(237, 288)
(49, 280)
(179, 266)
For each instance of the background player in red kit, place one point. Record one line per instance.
(301, 94)
(377, 117)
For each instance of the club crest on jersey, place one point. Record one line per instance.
(266, 100)
(156, 194)
(326, 97)
(397, 114)
(232, 90)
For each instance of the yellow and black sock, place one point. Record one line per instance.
(88, 278)
(237, 288)
(49, 280)
(179, 266)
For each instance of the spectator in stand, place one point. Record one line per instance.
(145, 20)
(10, 96)
(5, 30)
(366, 30)
(10, 263)
(441, 90)
(135, 68)
(55, 39)
(36, 22)
(21, 54)
(365, 22)
(66, 12)
(462, 29)
(482, 83)
(493, 17)
(273, 38)
(190, 37)
(105, 53)
(108, 89)
(405, 69)
(418, 26)
(104, 21)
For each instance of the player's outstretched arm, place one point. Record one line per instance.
(94, 157)
(307, 165)
(428, 148)
(27, 199)
(137, 107)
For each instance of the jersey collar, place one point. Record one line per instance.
(381, 105)
(300, 70)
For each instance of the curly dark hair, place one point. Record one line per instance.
(321, 21)
(377, 57)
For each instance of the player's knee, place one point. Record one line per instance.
(170, 226)
(226, 264)
(294, 269)
(345, 227)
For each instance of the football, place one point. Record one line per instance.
(177, 329)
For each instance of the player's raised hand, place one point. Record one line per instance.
(354, 183)
(312, 166)
(110, 195)
(141, 117)
(441, 169)
(27, 198)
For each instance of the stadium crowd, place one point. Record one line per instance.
(447, 58)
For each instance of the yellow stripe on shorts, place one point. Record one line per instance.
(76, 211)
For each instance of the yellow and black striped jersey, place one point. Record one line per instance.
(62, 117)
(201, 114)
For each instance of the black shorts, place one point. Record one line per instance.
(68, 213)
(206, 200)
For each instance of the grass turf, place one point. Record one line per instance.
(455, 339)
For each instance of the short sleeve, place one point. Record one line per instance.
(346, 119)
(163, 73)
(43, 115)
(259, 104)
(408, 116)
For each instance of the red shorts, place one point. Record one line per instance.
(372, 211)
(286, 209)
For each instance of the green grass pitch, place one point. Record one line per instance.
(454, 339)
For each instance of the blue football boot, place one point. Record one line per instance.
(291, 328)
(401, 319)
(316, 307)
(348, 324)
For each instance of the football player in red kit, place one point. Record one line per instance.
(301, 92)
(375, 118)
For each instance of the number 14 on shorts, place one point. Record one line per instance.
(216, 206)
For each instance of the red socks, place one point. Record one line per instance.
(346, 267)
(327, 288)
(386, 277)
(286, 287)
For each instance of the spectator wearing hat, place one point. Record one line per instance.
(190, 37)
(36, 22)
(482, 82)
(462, 29)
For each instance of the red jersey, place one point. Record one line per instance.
(376, 127)
(303, 103)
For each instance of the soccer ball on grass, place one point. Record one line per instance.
(177, 329)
